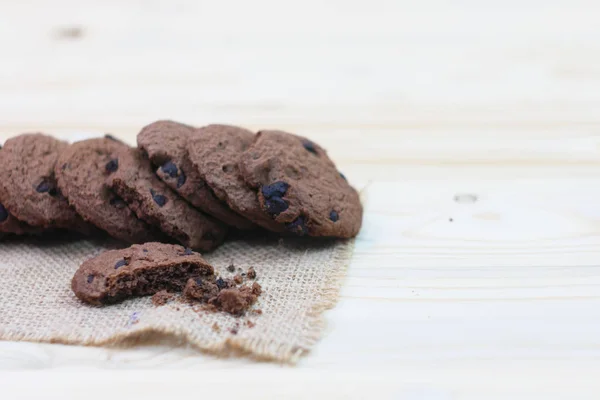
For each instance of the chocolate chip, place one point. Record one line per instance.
(198, 281)
(188, 252)
(343, 177)
(90, 278)
(112, 165)
(276, 205)
(298, 226)
(333, 215)
(3, 213)
(221, 284)
(231, 268)
(121, 263)
(273, 197)
(145, 250)
(158, 198)
(170, 169)
(44, 186)
(310, 146)
(277, 189)
(180, 179)
(64, 166)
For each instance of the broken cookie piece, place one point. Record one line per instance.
(161, 298)
(225, 297)
(201, 289)
(237, 300)
(138, 270)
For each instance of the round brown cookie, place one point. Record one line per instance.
(28, 185)
(81, 171)
(10, 225)
(153, 201)
(215, 151)
(139, 270)
(166, 144)
(299, 186)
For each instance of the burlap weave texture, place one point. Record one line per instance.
(300, 280)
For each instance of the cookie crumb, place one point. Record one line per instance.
(257, 311)
(256, 289)
(161, 298)
(200, 289)
(220, 294)
(231, 268)
(250, 324)
(251, 273)
(235, 329)
(216, 328)
(235, 301)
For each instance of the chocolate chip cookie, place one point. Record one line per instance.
(153, 201)
(139, 270)
(300, 187)
(215, 150)
(166, 144)
(28, 185)
(81, 171)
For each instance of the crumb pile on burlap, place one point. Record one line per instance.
(300, 279)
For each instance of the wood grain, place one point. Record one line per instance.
(473, 125)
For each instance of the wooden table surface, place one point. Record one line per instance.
(473, 126)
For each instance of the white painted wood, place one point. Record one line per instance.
(419, 101)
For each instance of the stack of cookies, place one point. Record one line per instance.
(181, 184)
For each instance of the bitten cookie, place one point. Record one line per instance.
(153, 202)
(139, 270)
(28, 185)
(300, 187)
(81, 171)
(166, 144)
(215, 150)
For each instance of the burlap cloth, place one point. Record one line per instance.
(300, 280)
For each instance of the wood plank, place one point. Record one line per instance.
(421, 102)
